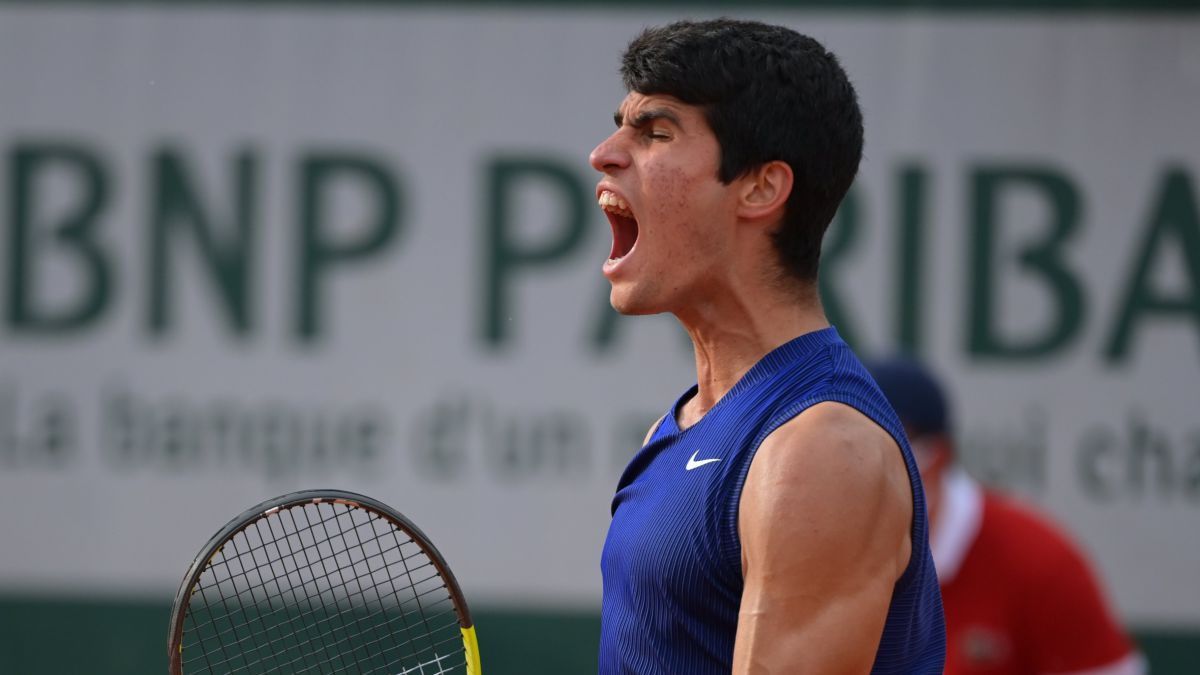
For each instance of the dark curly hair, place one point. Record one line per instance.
(768, 93)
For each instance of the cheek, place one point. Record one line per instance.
(678, 199)
(669, 188)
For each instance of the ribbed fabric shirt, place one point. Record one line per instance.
(672, 565)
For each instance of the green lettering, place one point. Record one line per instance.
(1147, 451)
(910, 258)
(1096, 451)
(504, 256)
(319, 253)
(176, 210)
(1174, 226)
(1042, 258)
(74, 233)
(1191, 470)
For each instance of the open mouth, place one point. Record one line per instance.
(624, 224)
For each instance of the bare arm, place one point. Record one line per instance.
(824, 519)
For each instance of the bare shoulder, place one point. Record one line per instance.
(838, 443)
(832, 475)
(653, 428)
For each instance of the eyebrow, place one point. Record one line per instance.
(647, 116)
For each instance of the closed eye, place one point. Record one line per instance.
(650, 123)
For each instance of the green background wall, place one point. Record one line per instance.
(68, 637)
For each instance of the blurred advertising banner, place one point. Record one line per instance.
(248, 250)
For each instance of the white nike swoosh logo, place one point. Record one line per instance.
(692, 463)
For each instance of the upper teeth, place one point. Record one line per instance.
(611, 202)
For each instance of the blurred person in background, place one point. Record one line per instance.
(1019, 597)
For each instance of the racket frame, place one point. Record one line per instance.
(320, 496)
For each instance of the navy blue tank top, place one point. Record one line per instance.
(672, 563)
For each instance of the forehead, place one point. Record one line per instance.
(637, 102)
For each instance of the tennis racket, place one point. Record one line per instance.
(321, 581)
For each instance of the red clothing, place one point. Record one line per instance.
(1022, 600)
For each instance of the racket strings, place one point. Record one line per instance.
(250, 589)
(404, 562)
(449, 613)
(333, 630)
(339, 573)
(327, 572)
(253, 552)
(322, 588)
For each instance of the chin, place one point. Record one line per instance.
(627, 301)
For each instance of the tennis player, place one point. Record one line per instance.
(1020, 597)
(773, 521)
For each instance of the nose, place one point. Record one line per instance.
(610, 155)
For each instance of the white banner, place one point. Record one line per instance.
(247, 251)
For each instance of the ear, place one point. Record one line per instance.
(765, 191)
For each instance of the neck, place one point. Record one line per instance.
(732, 331)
